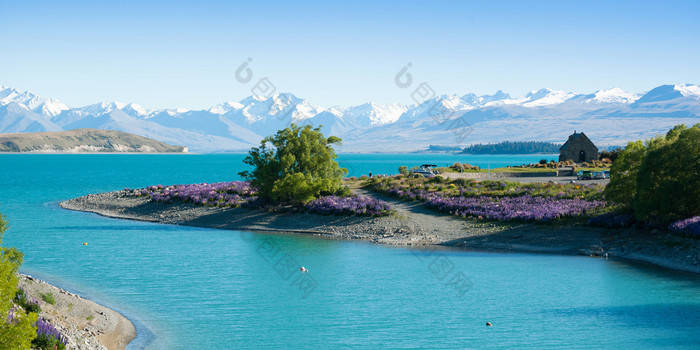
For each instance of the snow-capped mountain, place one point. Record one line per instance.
(45, 106)
(609, 116)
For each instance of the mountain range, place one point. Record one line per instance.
(609, 117)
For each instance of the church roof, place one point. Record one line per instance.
(573, 136)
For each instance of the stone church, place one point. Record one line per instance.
(578, 148)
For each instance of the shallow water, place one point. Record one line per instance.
(194, 288)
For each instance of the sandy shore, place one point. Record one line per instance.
(86, 324)
(414, 224)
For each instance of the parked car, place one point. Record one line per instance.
(584, 175)
(599, 175)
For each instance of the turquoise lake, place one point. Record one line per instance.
(194, 288)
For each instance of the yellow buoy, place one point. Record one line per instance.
(84, 243)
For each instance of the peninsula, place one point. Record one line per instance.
(83, 141)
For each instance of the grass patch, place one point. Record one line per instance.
(48, 298)
(70, 307)
(89, 318)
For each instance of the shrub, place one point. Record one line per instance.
(403, 170)
(23, 300)
(437, 180)
(48, 337)
(49, 298)
(610, 155)
(543, 161)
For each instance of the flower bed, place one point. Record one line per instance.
(356, 205)
(689, 227)
(418, 188)
(221, 194)
(526, 208)
(498, 200)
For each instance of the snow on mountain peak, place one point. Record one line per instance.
(614, 95)
(223, 108)
(688, 90)
(546, 97)
(372, 114)
(48, 107)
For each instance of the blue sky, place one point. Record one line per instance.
(184, 54)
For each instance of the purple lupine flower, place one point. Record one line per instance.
(689, 226)
(357, 205)
(47, 331)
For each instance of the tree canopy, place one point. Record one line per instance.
(295, 165)
(17, 328)
(660, 178)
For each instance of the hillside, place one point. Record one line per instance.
(83, 141)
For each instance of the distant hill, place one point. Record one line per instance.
(513, 147)
(83, 141)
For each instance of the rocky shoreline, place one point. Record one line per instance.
(86, 324)
(413, 225)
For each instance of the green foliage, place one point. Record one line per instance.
(18, 332)
(296, 165)
(612, 155)
(668, 183)
(437, 180)
(49, 298)
(660, 179)
(623, 174)
(45, 342)
(89, 318)
(403, 170)
(22, 299)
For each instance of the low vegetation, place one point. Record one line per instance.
(497, 200)
(48, 298)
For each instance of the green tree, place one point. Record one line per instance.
(623, 174)
(403, 170)
(295, 165)
(17, 329)
(668, 183)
